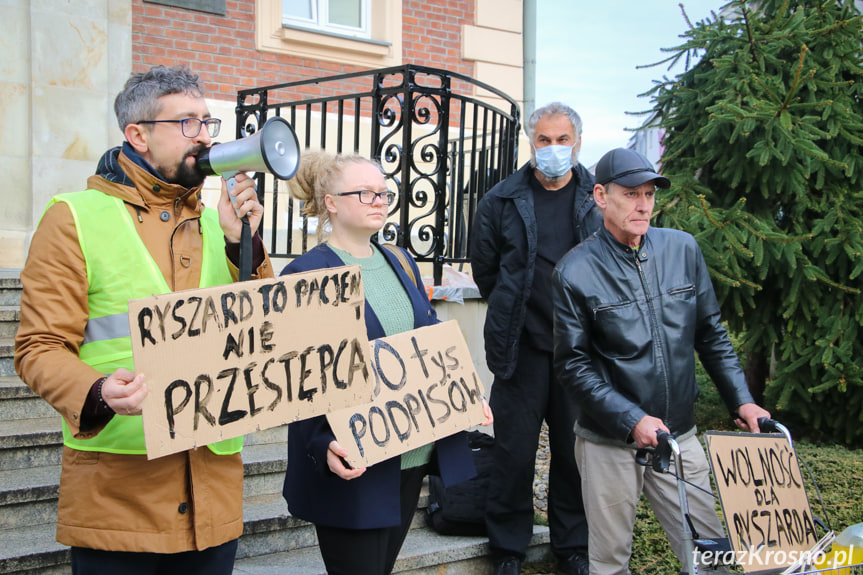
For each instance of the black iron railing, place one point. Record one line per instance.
(441, 147)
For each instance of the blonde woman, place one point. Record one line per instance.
(361, 515)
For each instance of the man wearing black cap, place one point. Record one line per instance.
(631, 305)
(522, 228)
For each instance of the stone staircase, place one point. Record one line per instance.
(272, 543)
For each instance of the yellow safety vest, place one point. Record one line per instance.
(114, 253)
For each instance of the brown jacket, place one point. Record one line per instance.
(181, 502)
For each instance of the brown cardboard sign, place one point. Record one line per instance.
(225, 361)
(767, 514)
(426, 388)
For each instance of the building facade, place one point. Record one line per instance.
(67, 59)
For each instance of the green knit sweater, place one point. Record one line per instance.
(392, 306)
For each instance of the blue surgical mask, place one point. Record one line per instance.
(554, 161)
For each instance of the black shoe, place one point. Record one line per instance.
(577, 564)
(507, 566)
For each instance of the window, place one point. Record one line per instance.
(366, 33)
(346, 17)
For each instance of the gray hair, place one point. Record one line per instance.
(550, 110)
(139, 99)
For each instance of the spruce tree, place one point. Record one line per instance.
(763, 142)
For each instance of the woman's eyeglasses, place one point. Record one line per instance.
(368, 196)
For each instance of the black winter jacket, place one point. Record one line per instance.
(503, 252)
(626, 324)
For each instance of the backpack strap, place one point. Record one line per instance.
(402, 258)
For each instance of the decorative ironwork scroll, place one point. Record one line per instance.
(441, 138)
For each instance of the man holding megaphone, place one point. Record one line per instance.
(138, 229)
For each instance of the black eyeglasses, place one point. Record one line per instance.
(368, 196)
(191, 127)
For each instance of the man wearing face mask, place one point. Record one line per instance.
(523, 226)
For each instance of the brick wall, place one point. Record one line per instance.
(222, 49)
(431, 33)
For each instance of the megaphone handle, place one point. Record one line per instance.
(246, 251)
(245, 234)
(231, 182)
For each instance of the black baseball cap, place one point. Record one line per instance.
(627, 168)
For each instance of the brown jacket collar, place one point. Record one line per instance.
(149, 192)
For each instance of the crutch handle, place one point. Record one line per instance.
(659, 457)
(662, 453)
(767, 425)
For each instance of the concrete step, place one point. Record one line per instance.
(264, 468)
(29, 522)
(17, 401)
(29, 496)
(7, 355)
(265, 465)
(11, 387)
(423, 553)
(9, 318)
(32, 549)
(267, 528)
(28, 507)
(272, 435)
(10, 287)
(28, 443)
(273, 543)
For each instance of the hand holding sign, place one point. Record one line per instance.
(336, 462)
(124, 392)
(486, 411)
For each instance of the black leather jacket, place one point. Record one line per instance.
(503, 253)
(626, 324)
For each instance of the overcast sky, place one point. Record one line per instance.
(587, 53)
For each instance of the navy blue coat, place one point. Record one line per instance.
(315, 493)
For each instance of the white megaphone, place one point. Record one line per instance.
(274, 148)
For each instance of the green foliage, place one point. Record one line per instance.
(763, 147)
(710, 412)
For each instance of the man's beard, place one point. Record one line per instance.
(189, 176)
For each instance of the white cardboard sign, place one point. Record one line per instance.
(767, 513)
(426, 388)
(225, 361)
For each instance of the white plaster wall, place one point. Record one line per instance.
(64, 60)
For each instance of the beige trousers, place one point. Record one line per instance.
(611, 483)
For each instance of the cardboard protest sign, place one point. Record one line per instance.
(426, 388)
(767, 513)
(224, 361)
